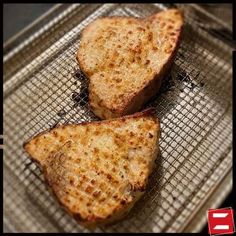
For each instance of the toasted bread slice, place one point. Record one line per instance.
(98, 170)
(125, 59)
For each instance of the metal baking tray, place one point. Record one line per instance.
(194, 105)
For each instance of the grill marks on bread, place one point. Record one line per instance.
(98, 170)
(125, 59)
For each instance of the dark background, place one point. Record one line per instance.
(17, 16)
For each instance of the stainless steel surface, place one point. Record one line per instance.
(224, 12)
(24, 20)
(221, 14)
(194, 106)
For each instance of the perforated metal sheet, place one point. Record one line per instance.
(194, 106)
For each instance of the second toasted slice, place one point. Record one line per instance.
(98, 170)
(125, 59)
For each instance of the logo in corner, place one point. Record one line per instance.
(221, 221)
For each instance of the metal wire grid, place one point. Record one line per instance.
(196, 129)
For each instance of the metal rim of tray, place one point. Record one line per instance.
(221, 182)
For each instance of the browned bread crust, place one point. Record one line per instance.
(98, 170)
(125, 59)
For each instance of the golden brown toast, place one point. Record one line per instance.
(98, 170)
(125, 59)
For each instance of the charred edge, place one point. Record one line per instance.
(149, 112)
(25, 143)
(79, 218)
(90, 220)
(34, 160)
(142, 189)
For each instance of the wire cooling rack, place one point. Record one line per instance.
(43, 86)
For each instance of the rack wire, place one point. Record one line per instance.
(41, 81)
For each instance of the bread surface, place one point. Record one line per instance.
(125, 59)
(98, 170)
